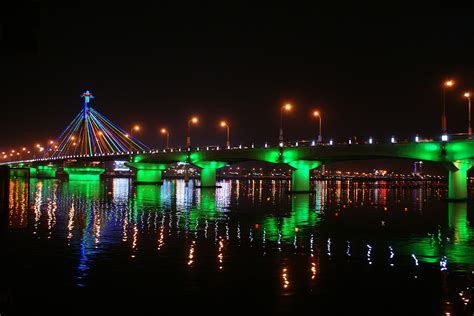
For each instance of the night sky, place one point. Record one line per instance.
(370, 75)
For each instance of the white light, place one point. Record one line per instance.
(417, 139)
(313, 143)
(280, 144)
(392, 140)
(207, 148)
(330, 142)
(444, 138)
(371, 140)
(296, 144)
(228, 147)
(266, 145)
(217, 147)
(350, 141)
(240, 146)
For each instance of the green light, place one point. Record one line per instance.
(148, 176)
(33, 172)
(457, 180)
(46, 171)
(148, 172)
(301, 217)
(300, 177)
(84, 173)
(208, 172)
(18, 172)
(148, 195)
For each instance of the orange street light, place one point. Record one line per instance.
(318, 114)
(135, 128)
(447, 84)
(285, 108)
(192, 120)
(224, 124)
(469, 126)
(167, 133)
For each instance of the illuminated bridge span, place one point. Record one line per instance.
(100, 140)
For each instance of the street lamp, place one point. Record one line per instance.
(317, 114)
(134, 128)
(193, 120)
(167, 133)
(469, 126)
(287, 107)
(224, 124)
(447, 84)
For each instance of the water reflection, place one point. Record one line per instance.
(302, 236)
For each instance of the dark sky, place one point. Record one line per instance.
(369, 74)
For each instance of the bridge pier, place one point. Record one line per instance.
(19, 172)
(457, 179)
(208, 172)
(300, 177)
(148, 173)
(46, 171)
(84, 173)
(33, 172)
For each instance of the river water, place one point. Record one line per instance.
(247, 247)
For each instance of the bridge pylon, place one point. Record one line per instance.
(147, 172)
(300, 177)
(457, 179)
(208, 172)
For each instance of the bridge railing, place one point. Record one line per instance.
(298, 143)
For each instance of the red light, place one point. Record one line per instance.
(256, 226)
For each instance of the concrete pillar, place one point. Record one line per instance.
(46, 171)
(457, 179)
(300, 179)
(148, 173)
(20, 172)
(84, 173)
(33, 172)
(208, 172)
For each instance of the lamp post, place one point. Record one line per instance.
(167, 133)
(287, 107)
(469, 126)
(224, 124)
(318, 114)
(447, 84)
(192, 120)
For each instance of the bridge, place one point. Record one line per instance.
(91, 139)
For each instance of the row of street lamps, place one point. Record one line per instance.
(194, 120)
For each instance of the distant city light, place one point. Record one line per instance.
(393, 140)
(370, 140)
(444, 137)
(417, 139)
